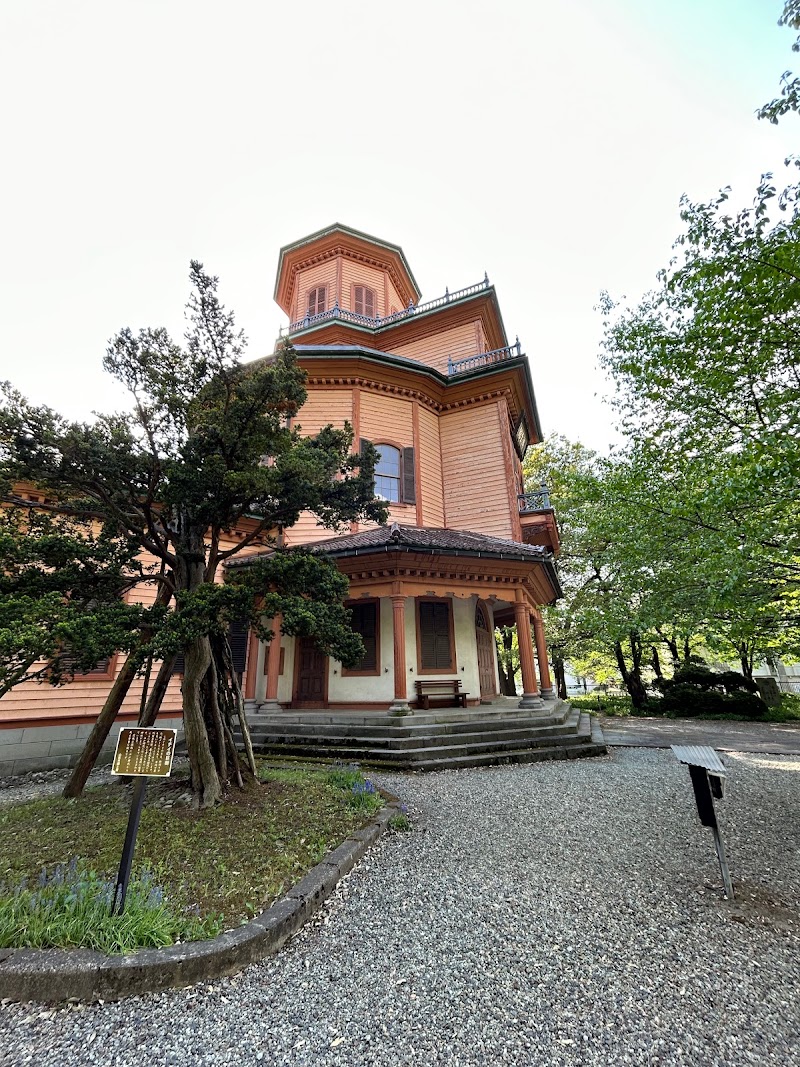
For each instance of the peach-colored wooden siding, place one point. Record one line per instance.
(386, 418)
(430, 468)
(320, 274)
(355, 273)
(394, 299)
(474, 471)
(389, 420)
(323, 406)
(79, 698)
(456, 343)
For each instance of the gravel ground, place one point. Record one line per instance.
(554, 914)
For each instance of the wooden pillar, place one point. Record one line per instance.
(399, 705)
(541, 654)
(273, 668)
(252, 663)
(530, 690)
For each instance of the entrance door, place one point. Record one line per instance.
(486, 653)
(311, 665)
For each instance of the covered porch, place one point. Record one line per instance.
(426, 602)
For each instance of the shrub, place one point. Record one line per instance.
(611, 705)
(687, 700)
(747, 705)
(696, 690)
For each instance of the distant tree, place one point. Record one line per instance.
(507, 659)
(789, 99)
(205, 466)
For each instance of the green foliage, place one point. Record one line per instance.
(603, 702)
(789, 100)
(695, 690)
(61, 585)
(361, 793)
(789, 710)
(69, 907)
(207, 448)
(400, 822)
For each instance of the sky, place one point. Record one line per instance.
(547, 144)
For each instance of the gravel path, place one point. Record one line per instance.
(554, 914)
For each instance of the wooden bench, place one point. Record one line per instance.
(441, 689)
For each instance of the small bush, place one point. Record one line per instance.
(747, 705)
(689, 701)
(610, 705)
(400, 822)
(70, 907)
(695, 690)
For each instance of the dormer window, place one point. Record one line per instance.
(317, 302)
(364, 301)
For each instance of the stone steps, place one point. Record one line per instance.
(559, 733)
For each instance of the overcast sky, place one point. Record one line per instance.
(545, 143)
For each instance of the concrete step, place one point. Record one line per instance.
(457, 718)
(348, 750)
(400, 739)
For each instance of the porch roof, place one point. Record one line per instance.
(429, 539)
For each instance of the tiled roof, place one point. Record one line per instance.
(428, 539)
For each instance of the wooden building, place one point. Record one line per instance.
(450, 406)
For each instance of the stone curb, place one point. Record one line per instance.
(81, 974)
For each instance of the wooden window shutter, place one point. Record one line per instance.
(179, 666)
(364, 301)
(316, 300)
(434, 625)
(237, 638)
(409, 490)
(365, 623)
(362, 444)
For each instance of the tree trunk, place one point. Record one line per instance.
(746, 657)
(632, 677)
(656, 663)
(102, 727)
(205, 781)
(157, 693)
(687, 652)
(560, 677)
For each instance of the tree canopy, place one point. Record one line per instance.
(204, 466)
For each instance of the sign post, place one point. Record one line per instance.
(707, 772)
(142, 752)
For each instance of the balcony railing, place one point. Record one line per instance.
(344, 315)
(538, 500)
(484, 359)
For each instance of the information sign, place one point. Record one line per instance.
(144, 751)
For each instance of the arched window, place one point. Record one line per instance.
(364, 301)
(387, 473)
(316, 301)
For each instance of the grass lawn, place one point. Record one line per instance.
(211, 869)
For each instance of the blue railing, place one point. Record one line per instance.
(539, 500)
(375, 323)
(484, 359)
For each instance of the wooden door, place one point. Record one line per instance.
(486, 653)
(311, 667)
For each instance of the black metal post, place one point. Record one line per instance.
(124, 874)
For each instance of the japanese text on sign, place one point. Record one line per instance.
(144, 750)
